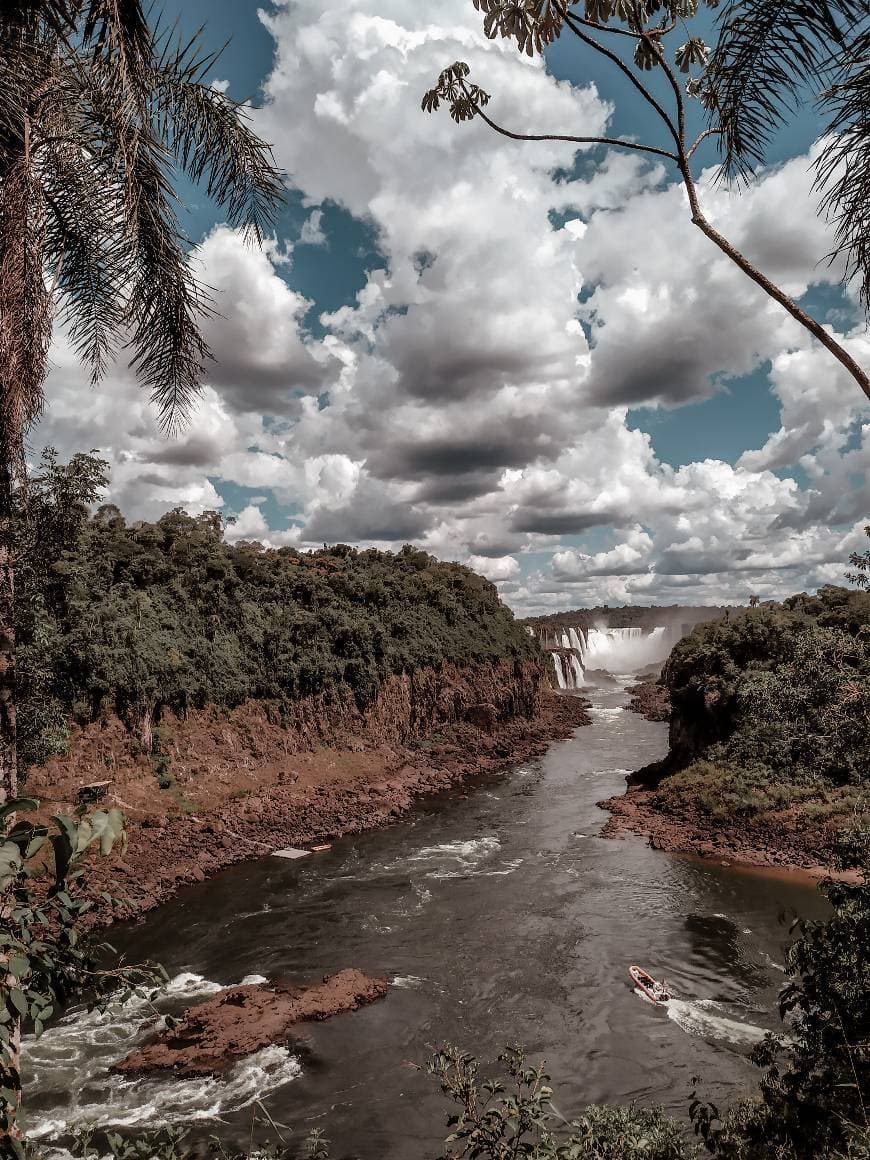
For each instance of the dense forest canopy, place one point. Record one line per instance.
(772, 707)
(135, 617)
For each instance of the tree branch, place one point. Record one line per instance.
(625, 70)
(701, 137)
(615, 141)
(770, 288)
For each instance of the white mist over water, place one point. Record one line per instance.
(614, 650)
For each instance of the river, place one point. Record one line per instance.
(501, 916)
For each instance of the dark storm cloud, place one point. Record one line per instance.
(549, 523)
(268, 390)
(451, 371)
(197, 451)
(445, 489)
(366, 518)
(514, 442)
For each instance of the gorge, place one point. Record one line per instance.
(386, 716)
(497, 913)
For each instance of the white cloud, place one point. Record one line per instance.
(466, 410)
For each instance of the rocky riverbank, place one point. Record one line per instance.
(651, 700)
(783, 840)
(240, 786)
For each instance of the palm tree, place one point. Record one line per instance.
(98, 109)
(767, 52)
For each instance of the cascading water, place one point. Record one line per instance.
(615, 650)
(560, 672)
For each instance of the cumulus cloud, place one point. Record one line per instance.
(468, 399)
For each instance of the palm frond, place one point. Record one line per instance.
(843, 167)
(211, 138)
(119, 32)
(767, 51)
(166, 304)
(84, 251)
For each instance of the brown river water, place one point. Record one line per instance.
(500, 916)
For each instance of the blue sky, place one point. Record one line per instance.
(365, 392)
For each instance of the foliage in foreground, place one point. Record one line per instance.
(44, 959)
(141, 617)
(498, 1119)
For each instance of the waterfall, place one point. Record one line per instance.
(625, 650)
(616, 650)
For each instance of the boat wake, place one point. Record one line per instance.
(703, 1018)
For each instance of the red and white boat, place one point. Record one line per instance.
(654, 991)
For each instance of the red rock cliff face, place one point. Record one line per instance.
(258, 741)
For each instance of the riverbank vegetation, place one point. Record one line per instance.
(770, 721)
(137, 618)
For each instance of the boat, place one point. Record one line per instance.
(656, 992)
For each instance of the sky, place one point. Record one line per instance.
(517, 356)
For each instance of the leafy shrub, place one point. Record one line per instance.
(168, 615)
(499, 1119)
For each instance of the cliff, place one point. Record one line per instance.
(768, 758)
(223, 785)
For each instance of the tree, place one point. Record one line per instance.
(860, 561)
(98, 107)
(766, 51)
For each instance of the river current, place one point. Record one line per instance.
(500, 916)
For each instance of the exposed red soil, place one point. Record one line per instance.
(246, 783)
(210, 1037)
(781, 840)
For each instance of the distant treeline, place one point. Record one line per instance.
(134, 618)
(628, 616)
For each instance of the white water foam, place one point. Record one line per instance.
(73, 1057)
(408, 982)
(509, 866)
(701, 1017)
(454, 859)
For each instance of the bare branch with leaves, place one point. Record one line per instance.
(765, 52)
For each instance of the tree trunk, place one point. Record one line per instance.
(146, 733)
(9, 1073)
(769, 287)
(8, 755)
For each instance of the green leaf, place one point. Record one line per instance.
(18, 1001)
(18, 966)
(10, 863)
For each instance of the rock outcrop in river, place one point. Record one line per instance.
(210, 1037)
